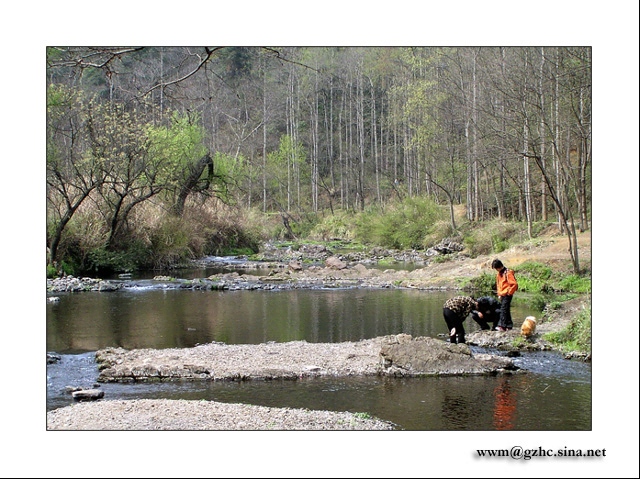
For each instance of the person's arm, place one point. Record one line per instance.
(512, 284)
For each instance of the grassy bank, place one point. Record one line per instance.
(156, 240)
(576, 336)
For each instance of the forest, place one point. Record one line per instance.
(159, 154)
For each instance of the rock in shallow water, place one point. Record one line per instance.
(88, 395)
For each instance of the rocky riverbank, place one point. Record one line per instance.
(395, 355)
(182, 415)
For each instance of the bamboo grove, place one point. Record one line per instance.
(307, 130)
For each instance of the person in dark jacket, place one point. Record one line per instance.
(455, 311)
(488, 311)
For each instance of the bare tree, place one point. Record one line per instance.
(72, 176)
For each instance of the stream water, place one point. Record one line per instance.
(555, 394)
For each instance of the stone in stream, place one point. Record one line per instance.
(88, 394)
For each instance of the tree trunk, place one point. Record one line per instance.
(191, 183)
(543, 135)
(264, 139)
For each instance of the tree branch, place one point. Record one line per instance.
(209, 53)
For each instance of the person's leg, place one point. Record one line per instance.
(482, 322)
(503, 314)
(506, 308)
(451, 319)
(495, 317)
(460, 331)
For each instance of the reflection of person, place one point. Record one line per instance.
(455, 311)
(504, 410)
(488, 311)
(506, 286)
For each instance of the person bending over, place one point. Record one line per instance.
(455, 311)
(488, 312)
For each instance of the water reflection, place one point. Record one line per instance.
(504, 409)
(85, 322)
(520, 402)
(178, 318)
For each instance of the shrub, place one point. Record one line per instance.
(436, 232)
(540, 278)
(485, 283)
(576, 336)
(534, 277)
(52, 272)
(402, 225)
(575, 283)
(332, 226)
(493, 237)
(536, 301)
(536, 270)
(101, 261)
(170, 242)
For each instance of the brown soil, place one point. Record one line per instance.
(550, 248)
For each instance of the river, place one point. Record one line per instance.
(555, 394)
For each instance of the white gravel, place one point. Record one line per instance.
(183, 415)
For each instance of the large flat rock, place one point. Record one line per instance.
(422, 356)
(396, 355)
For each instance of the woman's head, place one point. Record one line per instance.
(497, 264)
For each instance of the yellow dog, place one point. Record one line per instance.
(528, 327)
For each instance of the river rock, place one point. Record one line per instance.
(107, 286)
(509, 341)
(295, 265)
(53, 358)
(448, 246)
(407, 356)
(88, 394)
(334, 262)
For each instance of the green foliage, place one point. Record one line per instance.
(57, 97)
(499, 244)
(52, 272)
(333, 226)
(443, 258)
(494, 237)
(285, 168)
(100, 261)
(170, 242)
(536, 270)
(485, 283)
(237, 61)
(437, 231)
(174, 147)
(228, 168)
(362, 415)
(536, 277)
(536, 301)
(576, 336)
(575, 283)
(553, 306)
(401, 226)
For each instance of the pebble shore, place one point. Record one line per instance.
(183, 415)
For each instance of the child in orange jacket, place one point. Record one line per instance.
(506, 286)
